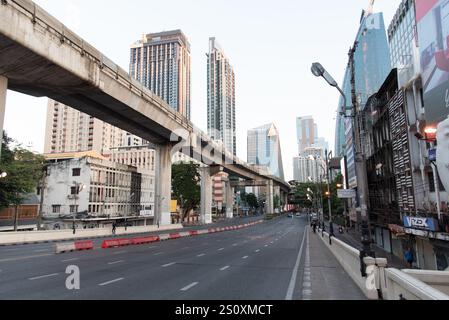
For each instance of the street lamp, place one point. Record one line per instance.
(319, 71)
(3, 175)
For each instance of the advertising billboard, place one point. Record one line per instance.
(432, 18)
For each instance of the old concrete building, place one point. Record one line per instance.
(87, 185)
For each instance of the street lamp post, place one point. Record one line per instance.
(319, 71)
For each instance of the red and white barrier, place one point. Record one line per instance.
(74, 246)
(115, 243)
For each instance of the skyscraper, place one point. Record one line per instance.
(264, 149)
(161, 62)
(306, 131)
(221, 123)
(69, 130)
(371, 66)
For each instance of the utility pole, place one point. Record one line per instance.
(360, 165)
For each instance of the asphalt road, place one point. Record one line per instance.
(269, 261)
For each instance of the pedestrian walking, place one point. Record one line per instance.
(114, 227)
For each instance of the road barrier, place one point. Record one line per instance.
(25, 237)
(74, 246)
(114, 243)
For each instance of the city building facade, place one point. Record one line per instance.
(69, 130)
(221, 121)
(161, 62)
(264, 149)
(86, 185)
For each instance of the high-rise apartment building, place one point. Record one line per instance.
(221, 122)
(401, 34)
(306, 131)
(161, 62)
(264, 149)
(69, 130)
(371, 65)
(308, 169)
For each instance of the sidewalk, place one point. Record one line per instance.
(329, 281)
(353, 239)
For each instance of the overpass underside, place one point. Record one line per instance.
(39, 56)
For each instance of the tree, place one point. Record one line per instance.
(186, 187)
(24, 171)
(252, 201)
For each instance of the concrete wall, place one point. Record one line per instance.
(392, 283)
(438, 280)
(401, 285)
(54, 235)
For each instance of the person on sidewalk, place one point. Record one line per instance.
(409, 258)
(114, 227)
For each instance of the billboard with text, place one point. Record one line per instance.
(432, 18)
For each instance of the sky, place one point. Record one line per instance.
(271, 45)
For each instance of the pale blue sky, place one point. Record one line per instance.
(271, 45)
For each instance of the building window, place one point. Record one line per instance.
(56, 208)
(73, 190)
(76, 172)
(73, 209)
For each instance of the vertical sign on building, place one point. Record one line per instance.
(432, 17)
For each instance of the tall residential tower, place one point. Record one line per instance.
(221, 123)
(161, 62)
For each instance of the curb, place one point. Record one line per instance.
(116, 243)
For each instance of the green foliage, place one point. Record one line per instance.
(276, 202)
(185, 186)
(300, 194)
(252, 201)
(249, 200)
(24, 171)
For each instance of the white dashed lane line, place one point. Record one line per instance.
(115, 262)
(224, 268)
(110, 282)
(201, 255)
(245, 257)
(45, 276)
(168, 264)
(68, 260)
(190, 286)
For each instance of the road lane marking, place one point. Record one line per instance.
(68, 260)
(245, 257)
(221, 249)
(224, 268)
(152, 247)
(266, 245)
(120, 252)
(190, 286)
(291, 287)
(45, 276)
(201, 255)
(109, 282)
(115, 262)
(26, 257)
(307, 282)
(168, 264)
(41, 250)
(158, 254)
(235, 245)
(257, 251)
